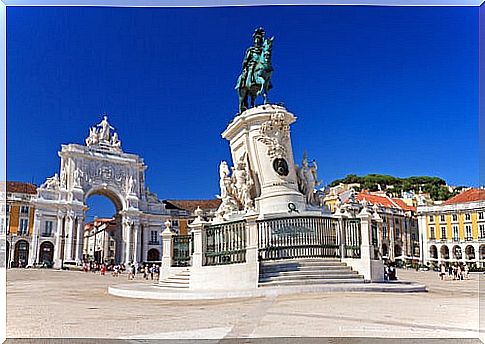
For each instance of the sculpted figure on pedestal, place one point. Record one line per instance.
(104, 133)
(93, 137)
(243, 184)
(115, 142)
(51, 182)
(308, 180)
(63, 179)
(130, 185)
(78, 175)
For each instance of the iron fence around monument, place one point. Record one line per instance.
(183, 246)
(225, 243)
(353, 238)
(298, 237)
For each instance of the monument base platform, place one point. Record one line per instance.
(155, 292)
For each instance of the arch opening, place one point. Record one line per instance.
(21, 254)
(433, 252)
(102, 234)
(445, 252)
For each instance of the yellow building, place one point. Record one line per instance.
(17, 222)
(454, 231)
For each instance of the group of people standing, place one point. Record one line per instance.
(455, 271)
(147, 270)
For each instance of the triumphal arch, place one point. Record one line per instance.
(100, 167)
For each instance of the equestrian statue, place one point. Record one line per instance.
(255, 78)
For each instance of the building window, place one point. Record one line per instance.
(480, 215)
(468, 232)
(432, 234)
(2, 225)
(455, 217)
(47, 229)
(175, 223)
(23, 229)
(397, 221)
(413, 236)
(456, 236)
(8, 208)
(467, 217)
(153, 238)
(384, 232)
(431, 219)
(398, 233)
(482, 231)
(442, 218)
(443, 233)
(24, 209)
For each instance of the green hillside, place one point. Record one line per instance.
(436, 187)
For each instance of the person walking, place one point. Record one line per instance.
(442, 271)
(152, 270)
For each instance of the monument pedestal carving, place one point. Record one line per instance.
(261, 136)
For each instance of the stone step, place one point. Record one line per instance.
(305, 268)
(309, 273)
(303, 261)
(173, 286)
(177, 277)
(301, 265)
(306, 278)
(310, 282)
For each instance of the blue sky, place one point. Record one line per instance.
(390, 90)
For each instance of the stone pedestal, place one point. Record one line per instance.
(261, 136)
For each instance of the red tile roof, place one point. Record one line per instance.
(403, 205)
(471, 195)
(191, 205)
(376, 199)
(21, 187)
(100, 221)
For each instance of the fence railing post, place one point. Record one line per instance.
(167, 249)
(341, 239)
(198, 230)
(252, 244)
(372, 270)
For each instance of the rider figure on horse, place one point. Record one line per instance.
(256, 62)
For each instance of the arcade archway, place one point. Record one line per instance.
(21, 254)
(46, 253)
(153, 255)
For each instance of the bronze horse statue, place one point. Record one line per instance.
(256, 76)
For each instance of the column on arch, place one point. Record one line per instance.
(127, 239)
(137, 242)
(69, 238)
(34, 252)
(79, 239)
(59, 241)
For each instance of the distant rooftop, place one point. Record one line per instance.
(191, 205)
(20, 187)
(471, 195)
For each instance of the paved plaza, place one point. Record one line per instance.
(52, 303)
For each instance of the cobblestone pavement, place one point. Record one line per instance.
(51, 303)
